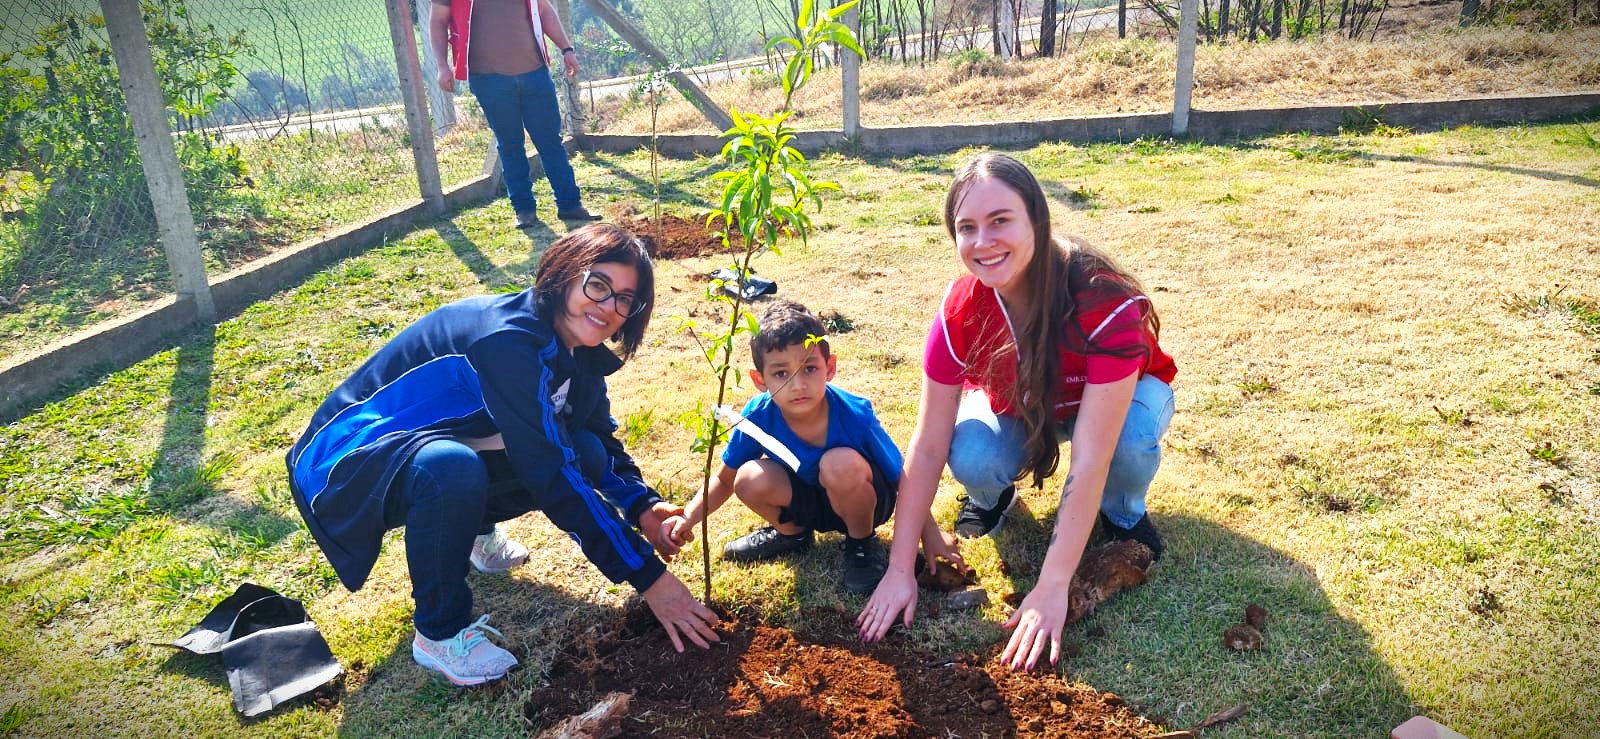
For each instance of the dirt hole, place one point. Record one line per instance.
(765, 681)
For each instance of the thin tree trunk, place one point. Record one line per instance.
(1047, 29)
(994, 25)
(1222, 21)
(1122, 18)
(1277, 19)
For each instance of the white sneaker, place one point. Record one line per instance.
(468, 658)
(495, 554)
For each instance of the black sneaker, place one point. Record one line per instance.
(1143, 532)
(864, 564)
(974, 522)
(765, 543)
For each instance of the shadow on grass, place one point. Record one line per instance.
(1579, 180)
(1160, 645)
(672, 190)
(488, 273)
(396, 697)
(182, 474)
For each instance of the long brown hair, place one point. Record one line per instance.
(565, 260)
(1065, 277)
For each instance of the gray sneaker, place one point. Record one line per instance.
(468, 658)
(495, 554)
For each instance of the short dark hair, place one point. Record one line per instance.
(783, 324)
(565, 261)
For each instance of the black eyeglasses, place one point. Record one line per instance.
(598, 289)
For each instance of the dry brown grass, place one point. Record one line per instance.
(1104, 75)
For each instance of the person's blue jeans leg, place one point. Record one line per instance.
(1138, 454)
(501, 100)
(440, 498)
(985, 450)
(541, 115)
(508, 499)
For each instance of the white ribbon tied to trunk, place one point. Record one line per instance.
(777, 448)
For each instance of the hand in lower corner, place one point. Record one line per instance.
(680, 613)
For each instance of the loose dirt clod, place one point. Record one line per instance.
(945, 577)
(1223, 716)
(763, 681)
(1243, 638)
(1256, 616)
(1104, 572)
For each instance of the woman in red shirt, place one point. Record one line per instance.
(1044, 339)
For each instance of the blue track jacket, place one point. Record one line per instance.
(472, 369)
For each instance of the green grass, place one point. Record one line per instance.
(1369, 425)
(303, 40)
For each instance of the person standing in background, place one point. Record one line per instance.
(498, 48)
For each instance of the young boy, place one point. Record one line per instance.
(827, 466)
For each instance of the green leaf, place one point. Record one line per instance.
(791, 73)
(838, 11)
(843, 37)
(785, 41)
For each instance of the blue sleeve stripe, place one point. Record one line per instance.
(607, 520)
(425, 394)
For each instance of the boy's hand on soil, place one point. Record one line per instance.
(656, 522)
(1038, 621)
(679, 530)
(680, 614)
(896, 593)
(945, 546)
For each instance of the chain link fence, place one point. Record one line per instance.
(288, 121)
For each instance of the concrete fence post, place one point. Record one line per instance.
(409, 68)
(850, 69)
(1183, 87)
(136, 72)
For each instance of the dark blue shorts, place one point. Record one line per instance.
(809, 506)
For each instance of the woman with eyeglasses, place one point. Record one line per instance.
(483, 410)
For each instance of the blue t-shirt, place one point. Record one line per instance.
(851, 423)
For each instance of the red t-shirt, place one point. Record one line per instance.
(972, 343)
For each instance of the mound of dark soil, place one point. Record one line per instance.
(763, 681)
(673, 237)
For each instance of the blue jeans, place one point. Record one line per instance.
(445, 497)
(512, 104)
(986, 451)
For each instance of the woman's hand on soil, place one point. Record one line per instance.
(680, 614)
(896, 593)
(1038, 621)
